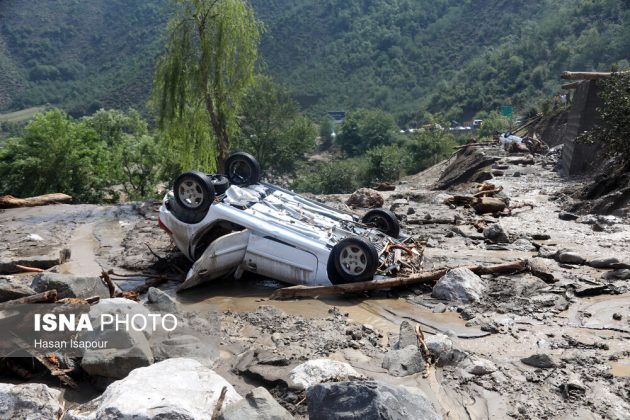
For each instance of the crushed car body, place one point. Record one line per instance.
(244, 225)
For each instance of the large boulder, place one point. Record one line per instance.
(70, 286)
(257, 405)
(404, 362)
(407, 335)
(29, 402)
(469, 164)
(181, 389)
(459, 284)
(365, 198)
(11, 288)
(371, 400)
(321, 370)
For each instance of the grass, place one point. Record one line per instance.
(22, 115)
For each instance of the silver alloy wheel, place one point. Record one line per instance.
(191, 193)
(353, 260)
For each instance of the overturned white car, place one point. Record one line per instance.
(235, 223)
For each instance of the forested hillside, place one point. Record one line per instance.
(404, 56)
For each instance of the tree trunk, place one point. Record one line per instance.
(8, 201)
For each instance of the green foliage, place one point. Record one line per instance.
(209, 61)
(334, 177)
(494, 123)
(326, 130)
(272, 128)
(614, 129)
(84, 158)
(386, 163)
(364, 129)
(56, 154)
(427, 147)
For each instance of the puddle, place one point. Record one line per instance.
(383, 314)
(597, 312)
(621, 368)
(82, 248)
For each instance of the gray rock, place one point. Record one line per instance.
(181, 389)
(496, 234)
(372, 400)
(432, 243)
(316, 371)
(407, 335)
(459, 284)
(542, 361)
(29, 402)
(523, 245)
(162, 300)
(11, 288)
(365, 198)
(440, 308)
(70, 286)
(257, 405)
(480, 367)
(547, 252)
(127, 350)
(603, 262)
(621, 274)
(404, 362)
(567, 216)
(569, 257)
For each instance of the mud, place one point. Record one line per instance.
(519, 316)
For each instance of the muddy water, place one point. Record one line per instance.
(383, 314)
(83, 246)
(621, 368)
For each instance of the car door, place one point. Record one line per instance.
(275, 259)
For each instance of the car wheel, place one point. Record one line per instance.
(351, 260)
(383, 220)
(242, 169)
(194, 192)
(220, 183)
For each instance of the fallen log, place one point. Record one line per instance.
(8, 201)
(48, 296)
(54, 370)
(364, 286)
(584, 75)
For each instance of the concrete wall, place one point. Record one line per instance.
(579, 158)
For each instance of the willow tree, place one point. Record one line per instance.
(209, 60)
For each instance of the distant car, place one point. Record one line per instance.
(476, 124)
(234, 223)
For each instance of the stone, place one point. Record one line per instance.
(621, 274)
(617, 316)
(403, 362)
(567, 216)
(542, 361)
(496, 234)
(179, 388)
(523, 245)
(367, 401)
(440, 308)
(11, 288)
(321, 370)
(568, 257)
(603, 262)
(432, 243)
(547, 252)
(259, 404)
(407, 335)
(70, 286)
(541, 268)
(480, 367)
(162, 300)
(541, 236)
(516, 174)
(29, 402)
(365, 198)
(459, 284)
(127, 350)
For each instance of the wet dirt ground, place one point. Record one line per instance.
(519, 315)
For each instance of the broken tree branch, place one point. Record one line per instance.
(219, 404)
(8, 201)
(364, 286)
(29, 269)
(48, 296)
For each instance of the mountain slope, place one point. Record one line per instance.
(404, 56)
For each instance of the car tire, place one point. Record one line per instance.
(352, 260)
(383, 220)
(242, 169)
(185, 215)
(220, 183)
(194, 192)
